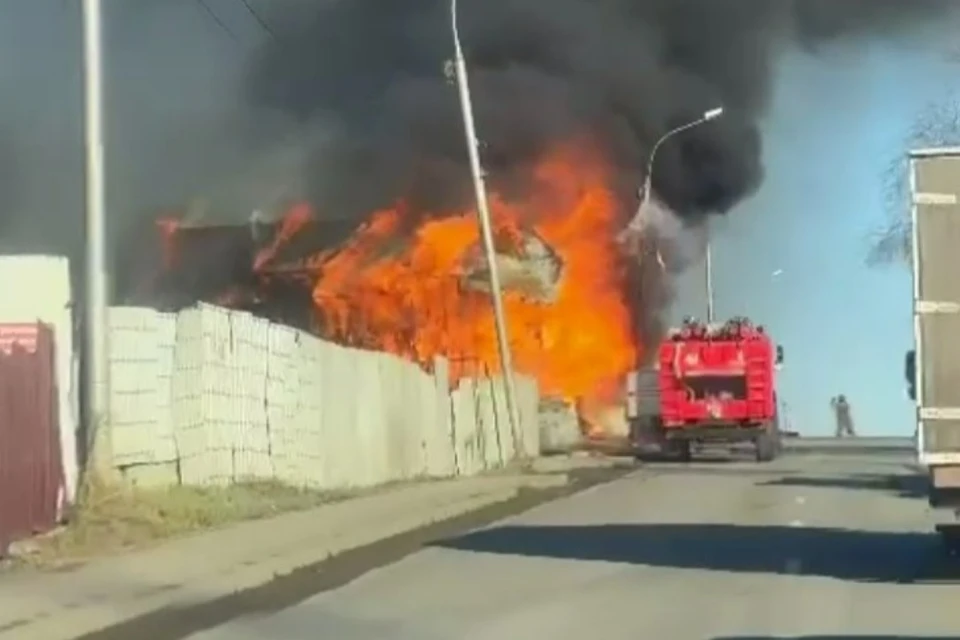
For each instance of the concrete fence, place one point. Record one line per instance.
(211, 396)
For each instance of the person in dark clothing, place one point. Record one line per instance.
(841, 409)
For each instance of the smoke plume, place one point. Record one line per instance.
(176, 124)
(622, 72)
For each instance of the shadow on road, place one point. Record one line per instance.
(658, 457)
(863, 556)
(903, 486)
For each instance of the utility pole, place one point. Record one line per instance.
(99, 461)
(708, 263)
(486, 227)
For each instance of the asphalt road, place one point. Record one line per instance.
(811, 546)
(859, 444)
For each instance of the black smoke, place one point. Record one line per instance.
(177, 126)
(621, 72)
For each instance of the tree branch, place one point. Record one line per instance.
(937, 125)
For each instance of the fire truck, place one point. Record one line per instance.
(709, 384)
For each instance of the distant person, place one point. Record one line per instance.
(844, 418)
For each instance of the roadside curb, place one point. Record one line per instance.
(304, 576)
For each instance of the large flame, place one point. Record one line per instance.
(405, 293)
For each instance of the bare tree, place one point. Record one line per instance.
(937, 125)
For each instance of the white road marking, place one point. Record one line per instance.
(800, 500)
(796, 523)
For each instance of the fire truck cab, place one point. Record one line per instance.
(716, 385)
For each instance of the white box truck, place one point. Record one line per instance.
(933, 366)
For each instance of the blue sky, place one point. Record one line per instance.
(836, 123)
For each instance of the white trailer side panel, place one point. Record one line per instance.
(935, 193)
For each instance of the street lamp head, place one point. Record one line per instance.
(713, 113)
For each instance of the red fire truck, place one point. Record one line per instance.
(714, 385)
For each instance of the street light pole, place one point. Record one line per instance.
(638, 221)
(96, 391)
(708, 262)
(486, 227)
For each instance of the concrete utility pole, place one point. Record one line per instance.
(708, 264)
(486, 227)
(96, 354)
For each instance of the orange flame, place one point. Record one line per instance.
(293, 222)
(407, 297)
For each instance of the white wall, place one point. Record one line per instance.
(211, 396)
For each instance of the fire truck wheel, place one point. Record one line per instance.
(680, 450)
(766, 447)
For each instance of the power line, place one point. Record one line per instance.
(248, 7)
(213, 15)
(256, 16)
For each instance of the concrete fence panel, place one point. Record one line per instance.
(363, 454)
(441, 439)
(222, 397)
(141, 359)
(528, 401)
(370, 449)
(414, 417)
(249, 360)
(286, 438)
(508, 434)
(392, 417)
(434, 403)
(348, 381)
(298, 425)
(490, 430)
(468, 429)
(219, 389)
(187, 399)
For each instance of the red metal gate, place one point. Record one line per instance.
(31, 471)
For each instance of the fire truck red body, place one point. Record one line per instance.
(716, 384)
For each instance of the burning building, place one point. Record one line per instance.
(257, 267)
(420, 290)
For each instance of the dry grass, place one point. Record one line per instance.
(112, 520)
(118, 518)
